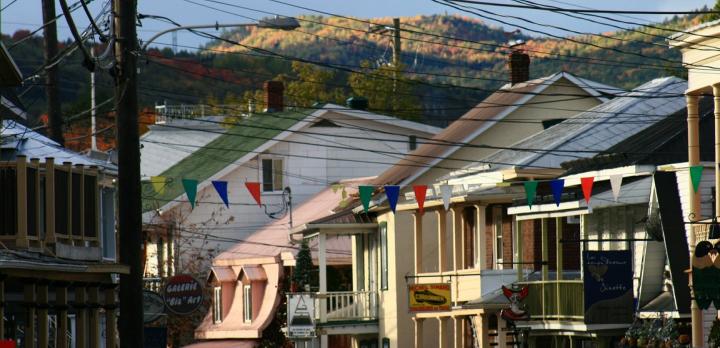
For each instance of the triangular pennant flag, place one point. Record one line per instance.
(420, 193)
(587, 184)
(190, 186)
(254, 188)
(446, 192)
(530, 189)
(392, 192)
(221, 188)
(615, 184)
(696, 176)
(158, 184)
(365, 196)
(557, 190)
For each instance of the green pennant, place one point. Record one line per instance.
(365, 196)
(696, 176)
(190, 186)
(530, 189)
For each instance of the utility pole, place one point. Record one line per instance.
(52, 93)
(128, 147)
(396, 52)
(93, 139)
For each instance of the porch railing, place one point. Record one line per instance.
(555, 300)
(346, 306)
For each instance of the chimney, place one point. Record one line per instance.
(519, 64)
(274, 96)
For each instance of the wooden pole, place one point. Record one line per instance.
(694, 159)
(129, 191)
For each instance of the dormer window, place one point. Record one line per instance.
(217, 305)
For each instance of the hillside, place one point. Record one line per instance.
(476, 62)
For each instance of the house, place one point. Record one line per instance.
(696, 45)
(383, 258)
(293, 154)
(249, 279)
(59, 246)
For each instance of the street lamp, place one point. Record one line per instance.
(277, 22)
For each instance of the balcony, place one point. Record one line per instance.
(468, 284)
(555, 300)
(344, 306)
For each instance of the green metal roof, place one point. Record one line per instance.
(208, 160)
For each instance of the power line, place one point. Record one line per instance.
(580, 10)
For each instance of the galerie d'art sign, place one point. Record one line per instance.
(183, 294)
(608, 286)
(429, 297)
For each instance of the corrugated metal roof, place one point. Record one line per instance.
(492, 107)
(20, 140)
(598, 128)
(157, 152)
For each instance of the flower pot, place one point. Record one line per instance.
(684, 339)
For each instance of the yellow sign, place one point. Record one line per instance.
(429, 297)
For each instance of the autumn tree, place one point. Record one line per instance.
(311, 84)
(387, 89)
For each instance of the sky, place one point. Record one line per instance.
(26, 14)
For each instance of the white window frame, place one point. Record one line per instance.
(497, 234)
(247, 303)
(262, 177)
(217, 305)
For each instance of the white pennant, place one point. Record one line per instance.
(615, 184)
(446, 191)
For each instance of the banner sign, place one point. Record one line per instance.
(608, 286)
(183, 294)
(429, 297)
(301, 315)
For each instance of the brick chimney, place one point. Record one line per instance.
(274, 96)
(519, 65)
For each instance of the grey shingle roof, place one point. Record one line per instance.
(598, 128)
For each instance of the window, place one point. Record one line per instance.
(360, 261)
(217, 305)
(412, 142)
(247, 303)
(272, 174)
(383, 256)
(62, 208)
(107, 222)
(90, 206)
(76, 213)
(469, 246)
(8, 201)
(498, 240)
(385, 342)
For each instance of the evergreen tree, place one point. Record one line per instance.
(303, 267)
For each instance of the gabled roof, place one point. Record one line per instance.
(598, 128)
(250, 137)
(495, 107)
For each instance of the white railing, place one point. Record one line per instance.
(346, 305)
(183, 111)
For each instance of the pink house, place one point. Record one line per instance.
(247, 278)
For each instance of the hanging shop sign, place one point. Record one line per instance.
(429, 297)
(153, 306)
(608, 285)
(301, 316)
(706, 274)
(517, 310)
(183, 294)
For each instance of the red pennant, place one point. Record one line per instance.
(254, 188)
(420, 191)
(587, 184)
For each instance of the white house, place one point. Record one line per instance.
(305, 150)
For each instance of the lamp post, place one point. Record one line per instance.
(281, 23)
